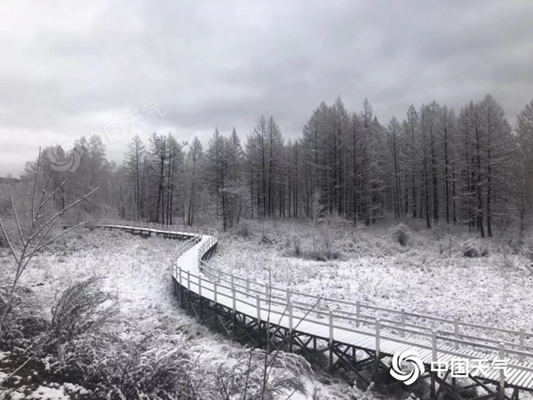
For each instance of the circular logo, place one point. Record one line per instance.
(67, 162)
(416, 366)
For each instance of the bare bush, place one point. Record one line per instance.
(258, 375)
(323, 254)
(297, 248)
(526, 247)
(322, 251)
(471, 250)
(402, 234)
(243, 230)
(265, 239)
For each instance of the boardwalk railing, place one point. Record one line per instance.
(344, 327)
(403, 321)
(344, 324)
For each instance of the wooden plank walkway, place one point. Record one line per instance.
(259, 306)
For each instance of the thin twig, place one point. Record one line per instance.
(13, 253)
(35, 185)
(25, 362)
(19, 227)
(60, 213)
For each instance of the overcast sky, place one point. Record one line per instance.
(113, 68)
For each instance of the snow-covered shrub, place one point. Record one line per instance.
(297, 246)
(117, 369)
(285, 373)
(440, 231)
(323, 254)
(243, 230)
(321, 251)
(471, 250)
(81, 308)
(22, 318)
(526, 248)
(508, 260)
(160, 372)
(402, 234)
(265, 239)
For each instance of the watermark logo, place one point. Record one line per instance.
(130, 122)
(407, 367)
(64, 162)
(416, 366)
(463, 367)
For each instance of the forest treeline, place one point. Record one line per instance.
(470, 167)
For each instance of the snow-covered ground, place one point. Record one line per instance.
(429, 276)
(137, 272)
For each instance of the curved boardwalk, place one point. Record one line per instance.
(352, 340)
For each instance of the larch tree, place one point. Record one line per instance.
(134, 170)
(524, 169)
(194, 170)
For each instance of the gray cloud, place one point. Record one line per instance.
(70, 69)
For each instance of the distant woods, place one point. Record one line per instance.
(444, 167)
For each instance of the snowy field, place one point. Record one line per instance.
(137, 275)
(430, 275)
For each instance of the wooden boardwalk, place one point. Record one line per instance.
(352, 335)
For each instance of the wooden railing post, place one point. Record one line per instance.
(331, 340)
(189, 290)
(521, 344)
(234, 310)
(501, 391)
(434, 354)
(288, 295)
(289, 307)
(403, 322)
(258, 306)
(199, 285)
(378, 351)
(175, 283)
(215, 303)
(200, 300)
(456, 331)
(357, 313)
(247, 285)
(434, 359)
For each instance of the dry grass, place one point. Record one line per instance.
(261, 376)
(24, 319)
(82, 308)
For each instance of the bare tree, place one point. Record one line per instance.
(193, 163)
(37, 234)
(525, 168)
